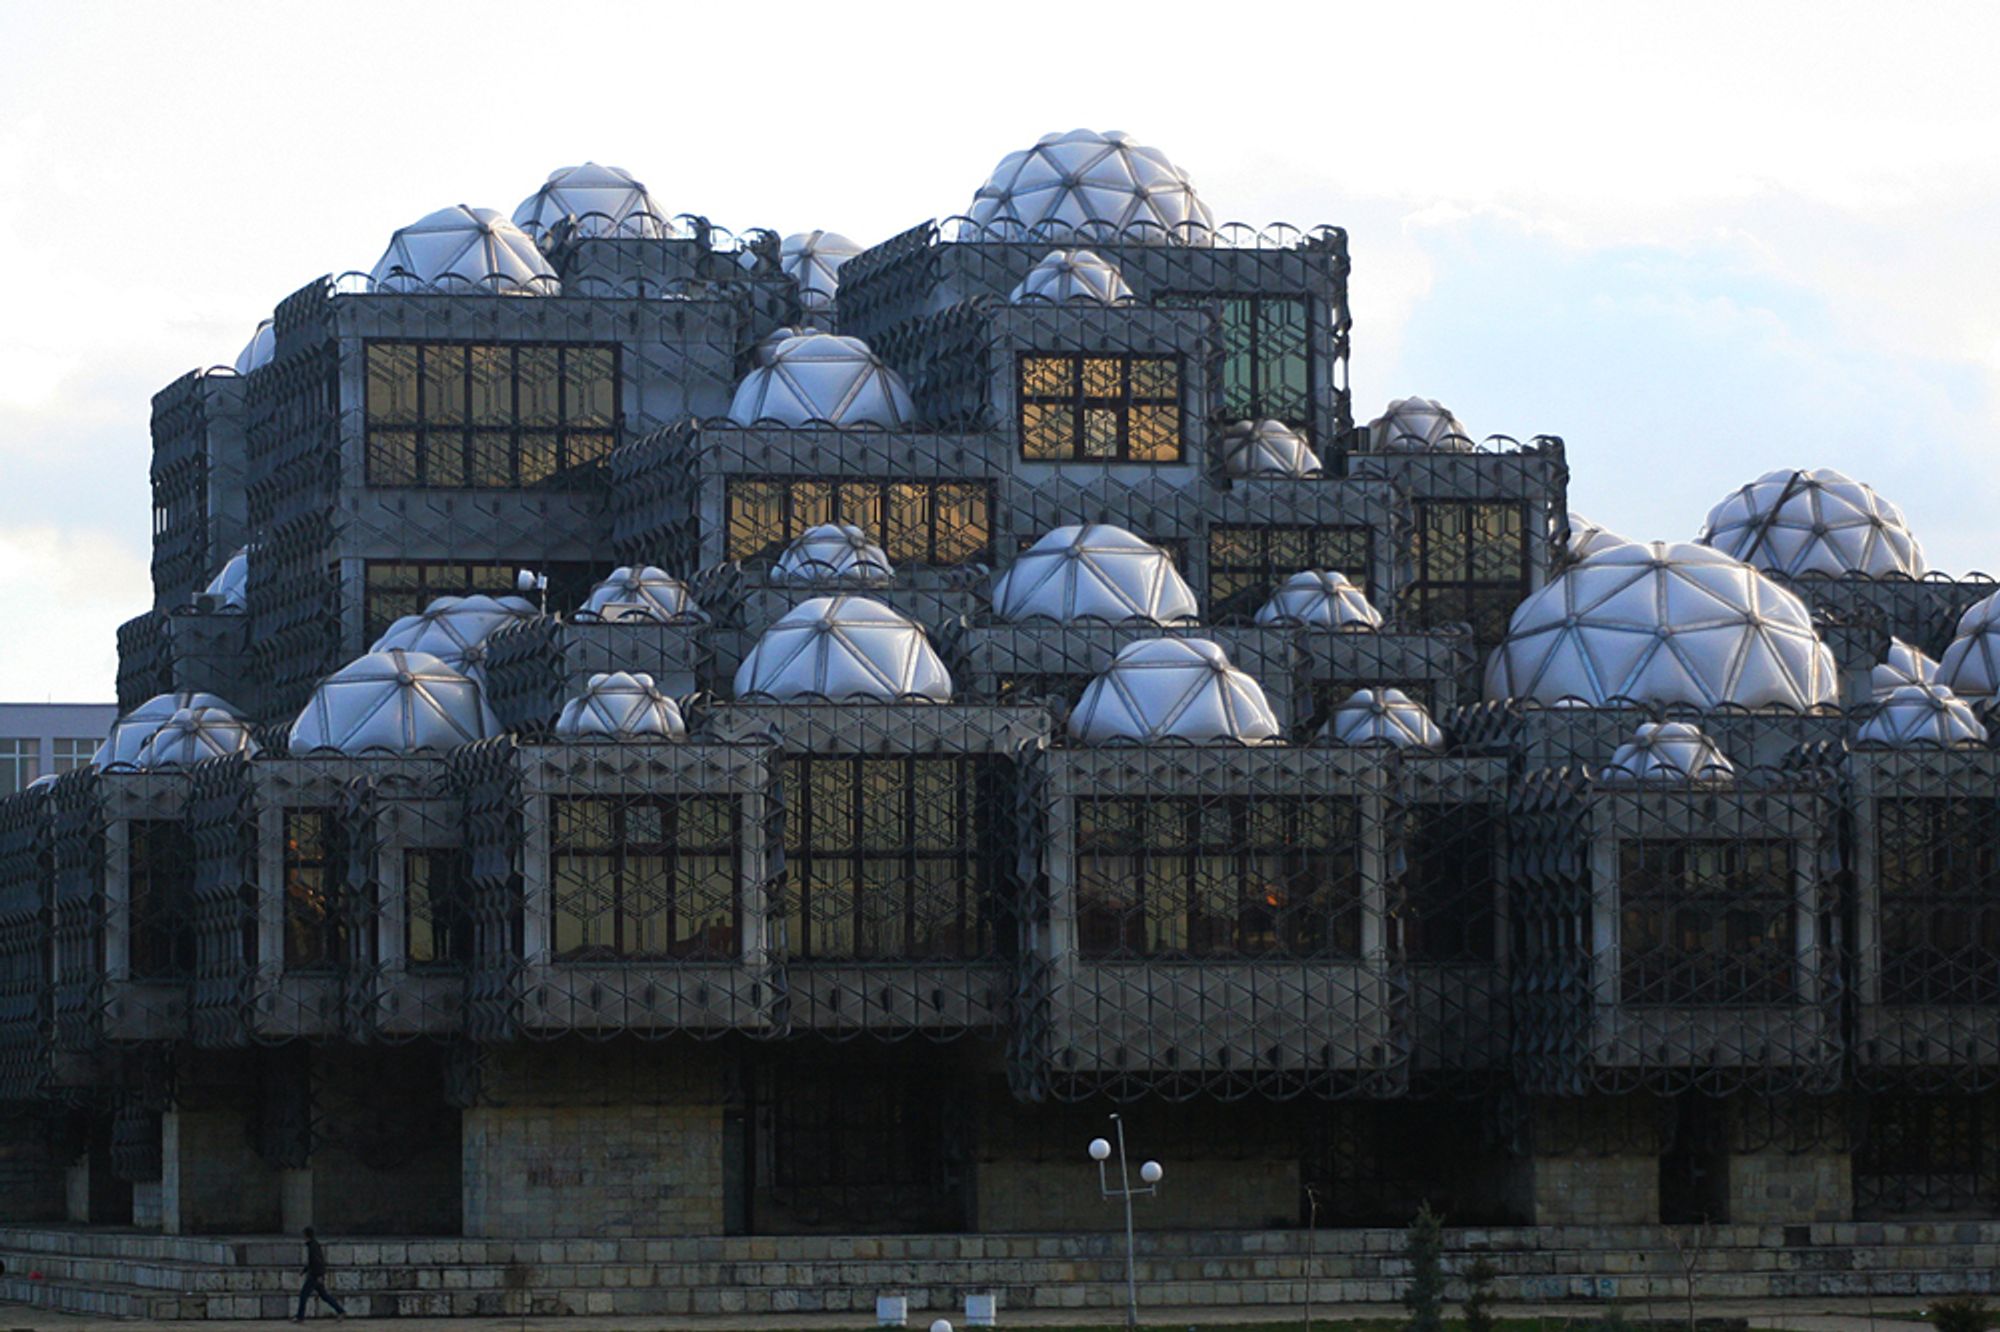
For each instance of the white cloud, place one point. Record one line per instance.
(63, 594)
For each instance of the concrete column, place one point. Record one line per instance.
(211, 1180)
(599, 1171)
(1622, 1190)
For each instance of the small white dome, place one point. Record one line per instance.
(1086, 183)
(232, 581)
(454, 629)
(1382, 717)
(1916, 716)
(1093, 572)
(1322, 599)
(1970, 667)
(263, 345)
(813, 259)
(843, 648)
(1587, 538)
(643, 593)
(460, 249)
(767, 347)
(130, 732)
(1805, 522)
(1418, 425)
(194, 734)
(1663, 623)
(393, 700)
(1267, 448)
(1063, 276)
(833, 553)
(1671, 752)
(818, 378)
(619, 706)
(1903, 664)
(592, 200)
(1173, 689)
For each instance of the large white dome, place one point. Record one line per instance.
(1173, 689)
(131, 731)
(821, 379)
(1970, 667)
(594, 201)
(1903, 664)
(813, 259)
(399, 701)
(454, 629)
(1089, 184)
(1667, 753)
(843, 648)
(1663, 623)
(194, 734)
(1093, 572)
(643, 592)
(1922, 717)
(461, 249)
(621, 706)
(1063, 276)
(833, 553)
(1418, 425)
(1321, 598)
(1814, 522)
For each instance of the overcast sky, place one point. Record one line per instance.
(1696, 241)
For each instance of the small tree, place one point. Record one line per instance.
(1479, 1298)
(1423, 1246)
(1962, 1313)
(1690, 1242)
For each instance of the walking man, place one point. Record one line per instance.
(315, 1284)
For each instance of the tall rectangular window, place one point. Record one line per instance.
(1100, 407)
(315, 872)
(936, 524)
(395, 588)
(1940, 900)
(1449, 902)
(1266, 356)
(884, 857)
(437, 916)
(489, 415)
(1246, 564)
(72, 752)
(1472, 566)
(645, 877)
(1706, 923)
(159, 881)
(20, 763)
(1231, 877)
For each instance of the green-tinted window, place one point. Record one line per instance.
(1266, 356)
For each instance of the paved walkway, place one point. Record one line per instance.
(1803, 1315)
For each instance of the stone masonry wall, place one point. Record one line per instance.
(211, 1180)
(1593, 1190)
(1783, 1188)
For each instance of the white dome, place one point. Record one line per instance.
(1971, 665)
(1663, 623)
(1094, 572)
(818, 378)
(1668, 752)
(619, 706)
(1418, 425)
(464, 249)
(194, 734)
(595, 201)
(454, 629)
(644, 593)
(1321, 598)
(841, 648)
(767, 347)
(1920, 717)
(232, 581)
(130, 732)
(1091, 183)
(833, 553)
(1797, 522)
(1382, 717)
(393, 700)
(263, 345)
(1587, 538)
(1173, 689)
(1267, 448)
(1903, 664)
(1063, 276)
(812, 259)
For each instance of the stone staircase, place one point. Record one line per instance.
(134, 1274)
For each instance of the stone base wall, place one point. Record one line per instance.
(211, 1181)
(1784, 1188)
(1593, 1190)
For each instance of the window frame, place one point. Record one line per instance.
(799, 510)
(1664, 972)
(1081, 403)
(1267, 571)
(1458, 586)
(330, 930)
(1257, 404)
(621, 850)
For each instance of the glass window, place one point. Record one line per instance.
(315, 869)
(393, 589)
(489, 415)
(1448, 903)
(651, 877)
(1940, 900)
(1706, 924)
(73, 752)
(1266, 356)
(437, 912)
(884, 857)
(919, 523)
(1236, 876)
(1471, 566)
(1246, 564)
(20, 763)
(160, 900)
(1109, 406)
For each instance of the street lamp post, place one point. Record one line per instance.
(1149, 1175)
